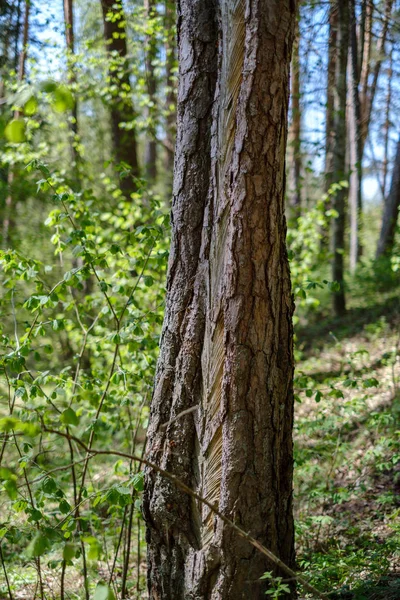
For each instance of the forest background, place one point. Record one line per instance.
(87, 135)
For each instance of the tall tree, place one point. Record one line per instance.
(361, 99)
(7, 221)
(295, 127)
(70, 41)
(390, 212)
(369, 93)
(170, 60)
(226, 348)
(355, 142)
(339, 153)
(151, 54)
(124, 141)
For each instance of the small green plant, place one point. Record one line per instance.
(277, 587)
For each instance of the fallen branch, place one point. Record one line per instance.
(179, 484)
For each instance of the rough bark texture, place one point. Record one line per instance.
(226, 346)
(391, 211)
(339, 154)
(124, 141)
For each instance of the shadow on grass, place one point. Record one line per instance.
(386, 587)
(327, 330)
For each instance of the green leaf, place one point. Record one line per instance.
(31, 106)
(69, 417)
(69, 552)
(103, 592)
(138, 481)
(64, 507)
(63, 99)
(49, 86)
(11, 488)
(371, 382)
(49, 486)
(38, 546)
(15, 131)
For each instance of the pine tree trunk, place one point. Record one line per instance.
(124, 141)
(339, 155)
(391, 212)
(226, 346)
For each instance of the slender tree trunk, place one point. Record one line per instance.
(151, 54)
(124, 141)
(295, 128)
(70, 41)
(17, 34)
(330, 113)
(368, 98)
(355, 146)
(170, 62)
(226, 347)
(387, 123)
(391, 211)
(7, 222)
(365, 47)
(339, 154)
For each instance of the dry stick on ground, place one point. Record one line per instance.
(179, 484)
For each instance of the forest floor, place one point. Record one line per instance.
(347, 451)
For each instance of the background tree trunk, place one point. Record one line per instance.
(70, 41)
(390, 212)
(124, 142)
(170, 50)
(339, 155)
(151, 54)
(295, 128)
(226, 347)
(368, 98)
(355, 145)
(8, 221)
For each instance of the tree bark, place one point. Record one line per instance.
(70, 41)
(330, 112)
(151, 54)
(8, 221)
(387, 123)
(391, 212)
(355, 146)
(124, 141)
(368, 98)
(339, 155)
(226, 346)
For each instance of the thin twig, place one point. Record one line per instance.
(182, 486)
